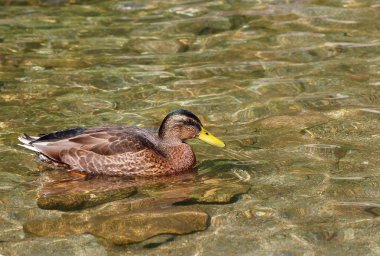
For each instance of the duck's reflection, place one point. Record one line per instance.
(70, 192)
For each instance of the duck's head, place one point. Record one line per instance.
(180, 125)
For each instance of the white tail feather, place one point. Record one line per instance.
(30, 147)
(23, 140)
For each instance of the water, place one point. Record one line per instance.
(292, 87)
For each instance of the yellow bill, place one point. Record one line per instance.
(210, 139)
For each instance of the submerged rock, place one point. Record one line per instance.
(123, 228)
(136, 227)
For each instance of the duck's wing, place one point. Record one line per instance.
(118, 141)
(103, 140)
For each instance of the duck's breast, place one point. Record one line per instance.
(181, 157)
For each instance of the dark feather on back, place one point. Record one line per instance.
(59, 135)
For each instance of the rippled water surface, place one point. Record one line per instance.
(292, 87)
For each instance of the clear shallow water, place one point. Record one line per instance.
(292, 87)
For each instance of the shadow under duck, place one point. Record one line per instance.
(124, 151)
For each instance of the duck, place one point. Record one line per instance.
(122, 150)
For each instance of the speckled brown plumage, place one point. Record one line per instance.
(118, 150)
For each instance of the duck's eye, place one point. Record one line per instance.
(191, 123)
(188, 122)
(206, 133)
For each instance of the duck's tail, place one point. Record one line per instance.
(34, 144)
(27, 142)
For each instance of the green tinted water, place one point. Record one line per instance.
(292, 87)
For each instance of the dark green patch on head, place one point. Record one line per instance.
(183, 112)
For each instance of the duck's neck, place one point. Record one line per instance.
(181, 157)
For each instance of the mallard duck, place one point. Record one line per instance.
(124, 151)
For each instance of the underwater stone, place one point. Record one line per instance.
(136, 227)
(124, 228)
